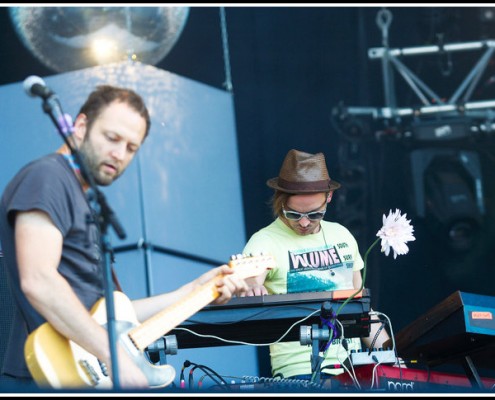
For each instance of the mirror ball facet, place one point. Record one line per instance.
(62, 37)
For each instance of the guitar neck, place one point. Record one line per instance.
(167, 319)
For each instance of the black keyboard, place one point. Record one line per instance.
(265, 319)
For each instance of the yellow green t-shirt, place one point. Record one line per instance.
(323, 261)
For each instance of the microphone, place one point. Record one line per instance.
(35, 86)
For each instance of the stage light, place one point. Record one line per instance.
(448, 193)
(355, 128)
(487, 14)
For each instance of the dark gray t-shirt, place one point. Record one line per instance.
(49, 184)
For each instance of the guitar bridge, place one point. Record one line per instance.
(104, 369)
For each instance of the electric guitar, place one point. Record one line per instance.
(57, 362)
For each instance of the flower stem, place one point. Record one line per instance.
(357, 291)
(363, 279)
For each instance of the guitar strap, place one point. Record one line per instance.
(116, 281)
(70, 159)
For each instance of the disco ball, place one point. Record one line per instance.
(71, 38)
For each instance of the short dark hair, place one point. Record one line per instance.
(104, 95)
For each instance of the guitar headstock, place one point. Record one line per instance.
(251, 265)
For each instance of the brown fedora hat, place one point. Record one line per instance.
(303, 173)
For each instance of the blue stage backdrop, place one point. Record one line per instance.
(179, 201)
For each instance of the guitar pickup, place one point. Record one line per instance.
(90, 372)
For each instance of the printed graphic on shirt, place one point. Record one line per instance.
(319, 269)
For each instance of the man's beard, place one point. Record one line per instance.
(93, 166)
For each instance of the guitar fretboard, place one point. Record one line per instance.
(167, 319)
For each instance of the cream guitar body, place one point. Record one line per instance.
(57, 362)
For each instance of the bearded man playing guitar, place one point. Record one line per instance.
(53, 255)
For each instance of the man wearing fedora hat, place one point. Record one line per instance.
(311, 255)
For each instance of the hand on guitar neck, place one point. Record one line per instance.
(226, 283)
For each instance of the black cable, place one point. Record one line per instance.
(191, 380)
(424, 365)
(186, 364)
(372, 345)
(191, 372)
(214, 374)
(208, 371)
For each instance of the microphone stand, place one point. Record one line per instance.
(103, 215)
